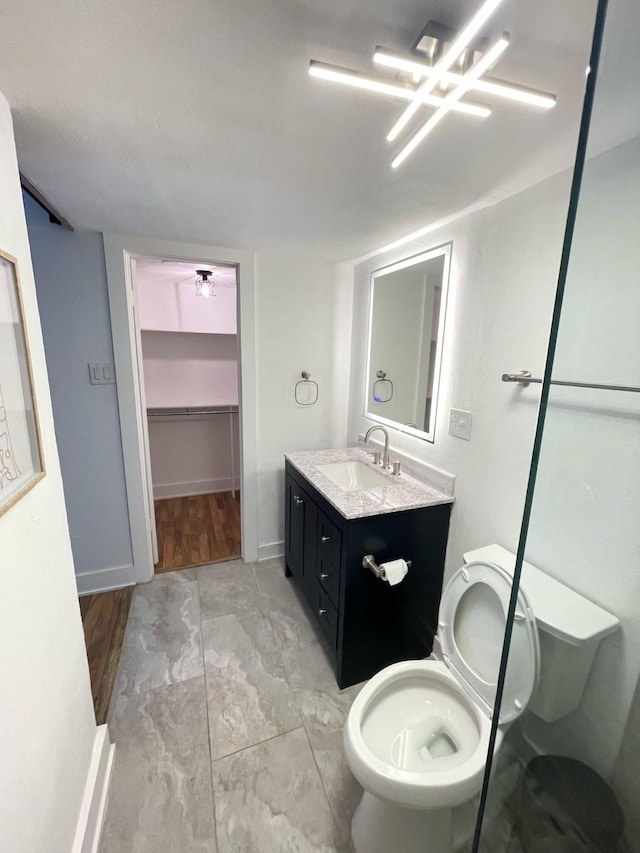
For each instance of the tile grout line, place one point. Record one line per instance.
(263, 597)
(206, 709)
(322, 784)
(306, 734)
(258, 743)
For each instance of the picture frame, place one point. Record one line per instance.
(21, 456)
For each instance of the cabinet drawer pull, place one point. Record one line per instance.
(321, 612)
(323, 576)
(298, 499)
(325, 538)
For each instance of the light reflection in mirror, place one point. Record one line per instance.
(406, 329)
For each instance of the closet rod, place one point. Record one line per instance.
(179, 412)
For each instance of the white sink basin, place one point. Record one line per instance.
(353, 476)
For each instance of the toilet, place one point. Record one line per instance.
(417, 734)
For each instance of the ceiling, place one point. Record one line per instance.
(160, 272)
(197, 121)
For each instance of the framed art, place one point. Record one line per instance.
(21, 461)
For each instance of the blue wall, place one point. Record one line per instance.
(71, 285)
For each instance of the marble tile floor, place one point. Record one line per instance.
(227, 721)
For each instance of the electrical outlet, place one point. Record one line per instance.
(460, 424)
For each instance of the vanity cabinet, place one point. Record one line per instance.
(367, 623)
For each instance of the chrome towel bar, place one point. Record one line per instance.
(524, 378)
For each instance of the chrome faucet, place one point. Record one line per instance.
(385, 454)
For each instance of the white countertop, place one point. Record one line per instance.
(403, 492)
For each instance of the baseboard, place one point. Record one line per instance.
(270, 550)
(199, 487)
(94, 800)
(103, 580)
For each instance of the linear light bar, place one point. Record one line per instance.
(483, 64)
(489, 85)
(460, 42)
(396, 90)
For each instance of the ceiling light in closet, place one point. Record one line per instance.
(444, 66)
(205, 286)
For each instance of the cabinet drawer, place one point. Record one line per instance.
(329, 577)
(328, 618)
(329, 540)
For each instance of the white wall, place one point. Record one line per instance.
(192, 454)
(584, 526)
(182, 369)
(303, 314)
(396, 339)
(72, 298)
(47, 726)
(504, 268)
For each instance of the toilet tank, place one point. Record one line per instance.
(570, 628)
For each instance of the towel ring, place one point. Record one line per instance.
(306, 385)
(382, 388)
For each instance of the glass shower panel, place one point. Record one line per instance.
(573, 783)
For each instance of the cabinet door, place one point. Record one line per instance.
(310, 550)
(295, 527)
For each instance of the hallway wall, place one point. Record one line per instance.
(72, 298)
(47, 726)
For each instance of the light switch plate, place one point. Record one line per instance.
(460, 423)
(101, 374)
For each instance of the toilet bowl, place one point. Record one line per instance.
(414, 737)
(417, 734)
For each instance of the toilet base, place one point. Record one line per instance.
(379, 827)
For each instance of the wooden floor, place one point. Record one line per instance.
(196, 530)
(104, 618)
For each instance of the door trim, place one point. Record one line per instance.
(118, 250)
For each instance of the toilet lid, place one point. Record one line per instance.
(472, 622)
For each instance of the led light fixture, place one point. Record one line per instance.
(487, 85)
(404, 91)
(487, 60)
(460, 43)
(436, 76)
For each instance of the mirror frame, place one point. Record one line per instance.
(443, 250)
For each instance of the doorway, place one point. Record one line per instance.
(189, 378)
(122, 254)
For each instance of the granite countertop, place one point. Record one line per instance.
(403, 492)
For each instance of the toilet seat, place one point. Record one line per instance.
(471, 628)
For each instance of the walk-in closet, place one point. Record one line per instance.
(187, 314)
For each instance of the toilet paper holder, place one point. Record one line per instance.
(368, 562)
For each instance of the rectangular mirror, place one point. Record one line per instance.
(406, 328)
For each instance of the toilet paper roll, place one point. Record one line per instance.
(394, 571)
